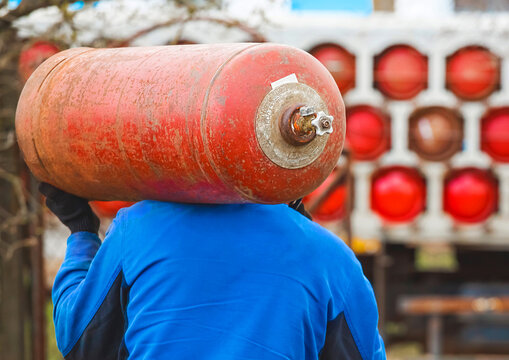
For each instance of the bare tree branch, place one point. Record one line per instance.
(26, 7)
(11, 249)
(7, 140)
(255, 35)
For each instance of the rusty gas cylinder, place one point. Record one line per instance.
(34, 55)
(225, 123)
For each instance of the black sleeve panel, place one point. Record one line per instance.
(339, 342)
(103, 338)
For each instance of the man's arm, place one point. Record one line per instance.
(89, 289)
(353, 333)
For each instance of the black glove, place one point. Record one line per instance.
(73, 211)
(299, 206)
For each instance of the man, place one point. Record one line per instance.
(206, 282)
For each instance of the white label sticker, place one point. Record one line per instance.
(286, 80)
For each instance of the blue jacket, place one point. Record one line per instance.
(209, 282)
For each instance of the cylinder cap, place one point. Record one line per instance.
(276, 147)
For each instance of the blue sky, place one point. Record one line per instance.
(12, 4)
(360, 6)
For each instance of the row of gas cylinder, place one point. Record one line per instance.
(435, 133)
(401, 71)
(398, 195)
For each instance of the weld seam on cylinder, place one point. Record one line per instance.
(49, 73)
(59, 63)
(203, 133)
(43, 82)
(39, 157)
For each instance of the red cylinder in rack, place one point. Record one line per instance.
(495, 134)
(193, 123)
(339, 62)
(368, 132)
(398, 194)
(473, 73)
(470, 195)
(401, 72)
(109, 209)
(33, 56)
(329, 201)
(435, 132)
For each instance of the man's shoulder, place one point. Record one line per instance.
(274, 221)
(313, 231)
(318, 243)
(146, 212)
(153, 207)
(162, 208)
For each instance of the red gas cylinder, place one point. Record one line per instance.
(328, 201)
(398, 194)
(109, 209)
(473, 73)
(339, 62)
(367, 132)
(436, 133)
(401, 72)
(495, 134)
(33, 56)
(226, 123)
(470, 195)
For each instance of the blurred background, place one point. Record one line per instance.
(421, 193)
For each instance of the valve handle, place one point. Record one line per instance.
(323, 123)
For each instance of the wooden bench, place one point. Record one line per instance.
(435, 307)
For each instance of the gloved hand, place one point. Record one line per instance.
(299, 206)
(73, 211)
